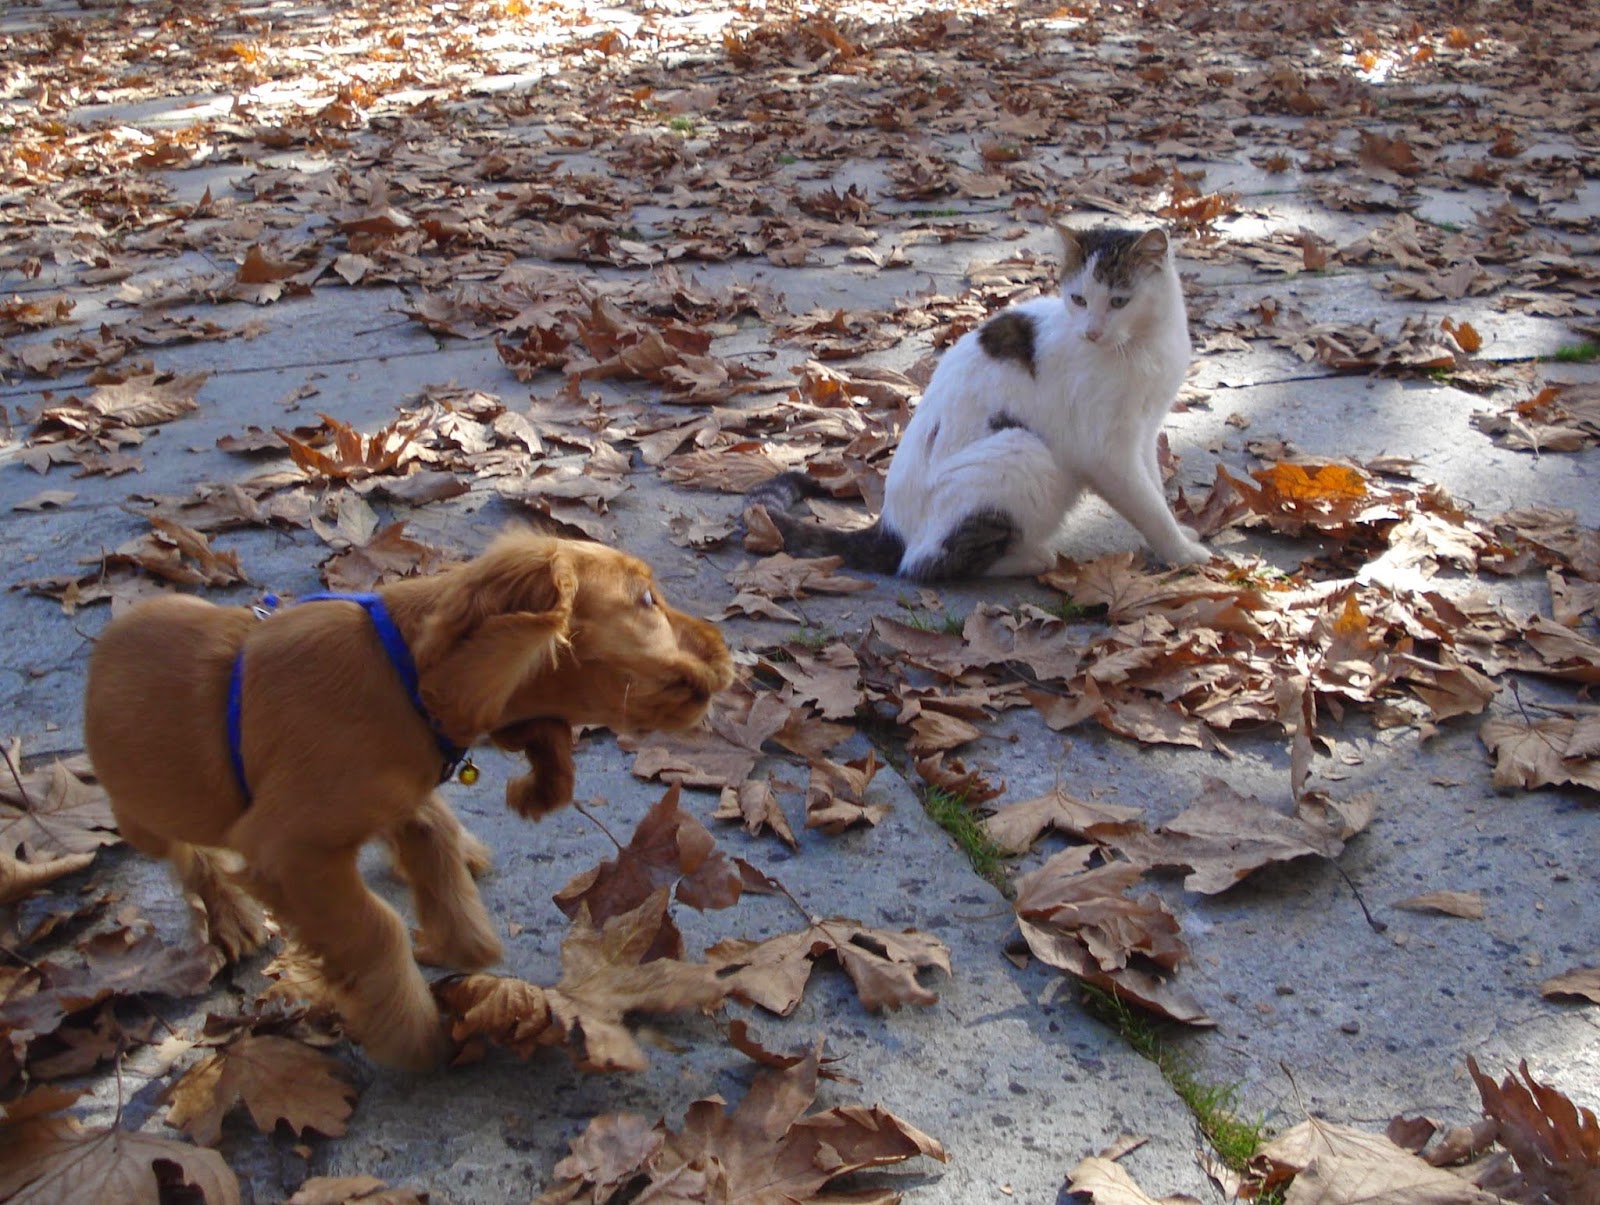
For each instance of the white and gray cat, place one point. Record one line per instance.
(1045, 399)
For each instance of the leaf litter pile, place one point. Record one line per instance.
(562, 226)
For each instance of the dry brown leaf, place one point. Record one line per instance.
(1079, 921)
(494, 1008)
(1339, 1165)
(1541, 753)
(276, 1078)
(353, 1190)
(52, 1159)
(1104, 1182)
(1016, 827)
(669, 848)
(783, 576)
(773, 973)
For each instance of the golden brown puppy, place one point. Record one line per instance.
(532, 637)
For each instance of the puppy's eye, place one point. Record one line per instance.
(1118, 302)
(647, 599)
(1077, 299)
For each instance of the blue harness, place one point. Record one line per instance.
(394, 644)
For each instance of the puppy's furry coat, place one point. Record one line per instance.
(534, 636)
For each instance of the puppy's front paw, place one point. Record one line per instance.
(469, 951)
(1190, 552)
(541, 792)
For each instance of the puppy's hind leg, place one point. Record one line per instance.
(436, 856)
(233, 921)
(224, 915)
(318, 895)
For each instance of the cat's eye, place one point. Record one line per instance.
(1077, 299)
(647, 599)
(1118, 302)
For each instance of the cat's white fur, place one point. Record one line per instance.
(1104, 380)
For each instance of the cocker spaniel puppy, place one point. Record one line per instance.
(263, 752)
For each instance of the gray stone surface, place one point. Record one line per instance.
(1315, 1009)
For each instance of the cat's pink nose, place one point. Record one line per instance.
(1093, 334)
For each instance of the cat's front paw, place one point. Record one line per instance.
(1190, 552)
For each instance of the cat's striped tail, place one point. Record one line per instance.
(875, 549)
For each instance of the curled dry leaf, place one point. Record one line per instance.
(353, 1190)
(1584, 984)
(1556, 1144)
(954, 777)
(836, 795)
(772, 974)
(1079, 921)
(276, 1078)
(755, 804)
(1468, 905)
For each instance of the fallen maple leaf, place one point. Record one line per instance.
(669, 848)
(784, 576)
(277, 1079)
(604, 977)
(47, 1160)
(883, 966)
(1542, 753)
(508, 1012)
(54, 811)
(765, 1149)
(353, 1190)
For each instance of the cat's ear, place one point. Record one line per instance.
(1072, 255)
(1150, 248)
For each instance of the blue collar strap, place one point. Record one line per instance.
(394, 644)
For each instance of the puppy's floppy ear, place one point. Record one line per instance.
(496, 622)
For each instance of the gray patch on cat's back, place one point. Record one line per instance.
(1009, 336)
(1006, 422)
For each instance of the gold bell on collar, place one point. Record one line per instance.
(468, 774)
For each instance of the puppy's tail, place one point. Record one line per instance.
(875, 549)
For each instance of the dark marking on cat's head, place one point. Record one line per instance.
(1009, 336)
(1120, 256)
(933, 438)
(1006, 422)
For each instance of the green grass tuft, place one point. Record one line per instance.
(953, 814)
(1586, 352)
(684, 125)
(1214, 1106)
